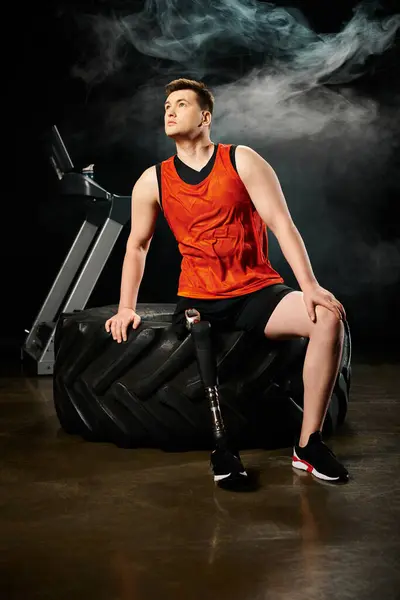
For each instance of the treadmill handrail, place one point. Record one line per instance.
(76, 184)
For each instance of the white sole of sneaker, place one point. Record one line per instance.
(298, 463)
(221, 477)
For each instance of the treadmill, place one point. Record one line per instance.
(105, 218)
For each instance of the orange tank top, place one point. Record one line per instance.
(221, 237)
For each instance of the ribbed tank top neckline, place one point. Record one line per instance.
(215, 156)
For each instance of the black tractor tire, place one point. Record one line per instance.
(146, 392)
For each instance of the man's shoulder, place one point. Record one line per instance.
(247, 154)
(148, 177)
(149, 172)
(245, 150)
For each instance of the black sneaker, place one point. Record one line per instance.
(318, 459)
(226, 466)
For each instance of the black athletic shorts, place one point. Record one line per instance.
(249, 312)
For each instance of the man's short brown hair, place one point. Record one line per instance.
(205, 97)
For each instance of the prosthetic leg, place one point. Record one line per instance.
(226, 465)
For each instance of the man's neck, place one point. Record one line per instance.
(195, 153)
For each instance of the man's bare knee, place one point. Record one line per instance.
(328, 321)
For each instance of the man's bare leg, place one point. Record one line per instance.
(321, 365)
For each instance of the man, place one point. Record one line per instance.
(218, 200)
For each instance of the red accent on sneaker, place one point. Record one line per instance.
(309, 467)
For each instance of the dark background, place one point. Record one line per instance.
(39, 225)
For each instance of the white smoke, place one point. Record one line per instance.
(290, 96)
(194, 33)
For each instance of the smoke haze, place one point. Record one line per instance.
(195, 33)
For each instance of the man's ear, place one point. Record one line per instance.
(206, 117)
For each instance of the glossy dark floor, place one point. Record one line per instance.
(91, 521)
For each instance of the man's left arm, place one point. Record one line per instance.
(266, 194)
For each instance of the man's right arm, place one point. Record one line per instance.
(145, 210)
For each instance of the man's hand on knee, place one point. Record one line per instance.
(316, 295)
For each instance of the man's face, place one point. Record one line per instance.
(183, 115)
